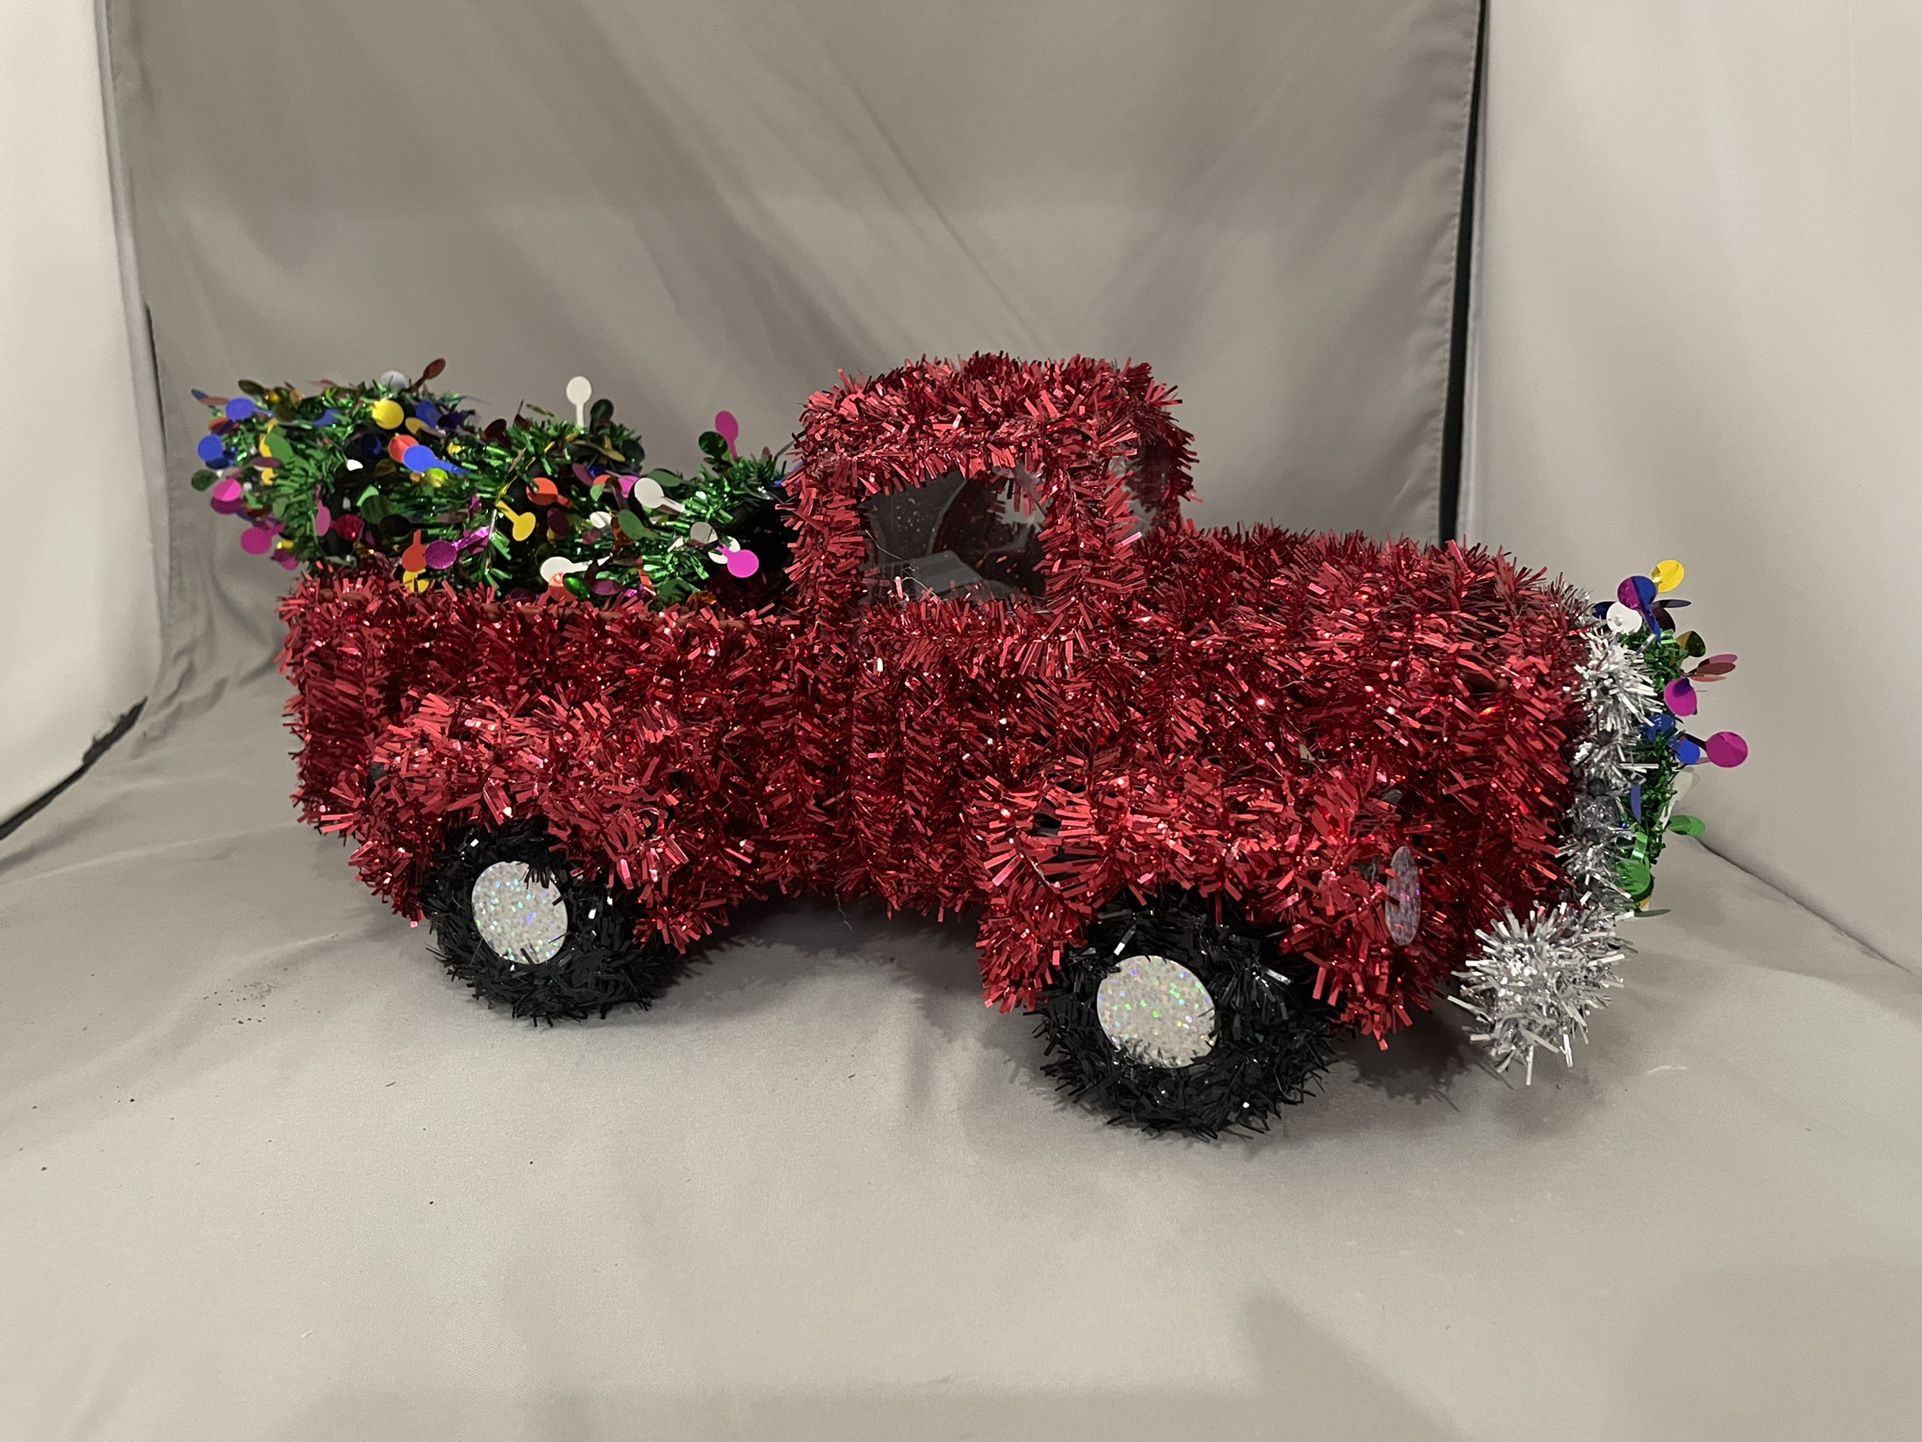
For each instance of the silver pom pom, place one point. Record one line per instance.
(1535, 983)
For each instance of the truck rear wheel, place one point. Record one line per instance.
(515, 922)
(1174, 1020)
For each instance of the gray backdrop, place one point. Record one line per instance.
(718, 205)
(264, 1172)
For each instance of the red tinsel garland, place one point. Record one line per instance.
(1260, 717)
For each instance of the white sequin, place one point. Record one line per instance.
(1156, 1011)
(523, 920)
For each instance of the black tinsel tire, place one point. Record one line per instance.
(597, 964)
(1271, 1039)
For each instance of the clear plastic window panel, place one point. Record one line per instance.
(1139, 486)
(974, 537)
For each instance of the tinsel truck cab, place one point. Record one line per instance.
(1213, 797)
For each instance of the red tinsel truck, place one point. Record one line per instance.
(1212, 797)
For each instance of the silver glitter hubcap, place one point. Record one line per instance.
(523, 920)
(1156, 1011)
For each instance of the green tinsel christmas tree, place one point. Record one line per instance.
(392, 477)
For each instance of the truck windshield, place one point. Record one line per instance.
(977, 537)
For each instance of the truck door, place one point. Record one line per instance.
(953, 589)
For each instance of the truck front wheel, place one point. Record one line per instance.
(1175, 1020)
(516, 923)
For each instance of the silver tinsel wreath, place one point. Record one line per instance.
(1619, 696)
(1534, 982)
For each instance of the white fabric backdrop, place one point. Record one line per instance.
(1700, 334)
(81, 638)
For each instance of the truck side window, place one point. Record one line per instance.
(1147, 476)
(977, 537)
